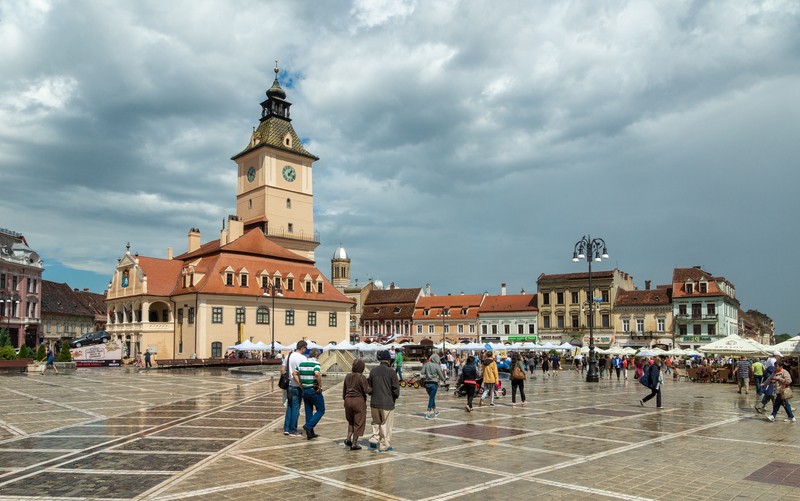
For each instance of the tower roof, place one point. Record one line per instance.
(340, 253)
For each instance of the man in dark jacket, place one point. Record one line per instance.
(385, 390)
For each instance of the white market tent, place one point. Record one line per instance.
(344, 345)
(246, 346)
(789, 348)
(734, 345)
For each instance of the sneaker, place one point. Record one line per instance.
(428, 416)
(466, 408)
(492, 405)
(373, 445)
(295, 435)
(514, 406)
(771, 418)
(789, 420)
(286, 433)
(524, 404)
(436, 414)
(759, 409)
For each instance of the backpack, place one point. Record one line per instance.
(645, 379)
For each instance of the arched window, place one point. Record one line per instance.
(262, 315)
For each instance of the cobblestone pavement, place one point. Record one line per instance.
(206, 434)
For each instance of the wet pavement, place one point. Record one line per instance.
(209, 434)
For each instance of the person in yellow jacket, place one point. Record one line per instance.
(490, 377)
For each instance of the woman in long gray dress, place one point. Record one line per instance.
(354, 392)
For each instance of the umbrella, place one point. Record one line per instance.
(676, 351)
(647, 353)
(565, 346)
(790, 347)
(733, 345)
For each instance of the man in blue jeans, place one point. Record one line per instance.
(310, 377)
(295, 392)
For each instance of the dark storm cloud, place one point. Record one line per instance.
(461, 144)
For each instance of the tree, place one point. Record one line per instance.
(779, 338)
(41, 353)
(5, 339)
(65, 355)
(24, 352)
(7, 353)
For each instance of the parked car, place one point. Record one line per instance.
(91, 338)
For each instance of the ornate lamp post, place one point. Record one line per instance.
(274, 290)
(444, 314)
(590, 249)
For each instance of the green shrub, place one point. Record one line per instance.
(65, 355)
(25, 352)
(5, 339)
(7, 353)
(41, 353)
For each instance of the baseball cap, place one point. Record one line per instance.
(777, 353)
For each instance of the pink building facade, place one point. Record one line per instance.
(20, 289)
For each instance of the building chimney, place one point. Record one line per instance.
(194, 240)
(503, 289)
(428, 290)
(169, 253)
(647, 285)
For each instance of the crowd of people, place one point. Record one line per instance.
(478, 374)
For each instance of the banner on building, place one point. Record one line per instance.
(98, 355)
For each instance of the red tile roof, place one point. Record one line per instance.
(680, 276)
(509, 303)
(657, 297)
(455, 304)
(575, 276)
(387, 296)
(252, 252)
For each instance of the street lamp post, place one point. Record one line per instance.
(445, 313)
(274, 290)
(590, 249)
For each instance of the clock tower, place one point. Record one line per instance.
(274, 189)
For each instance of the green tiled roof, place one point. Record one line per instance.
(271, 133)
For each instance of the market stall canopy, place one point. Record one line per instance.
(246, 346)
(790, 347)
(734, 345)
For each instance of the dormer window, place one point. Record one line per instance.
(290, 284)
(319, 287)
(703, 287)
(308, 287)
(396, 310)
(426, 312)
(243, 279)
(464, 311)
(229, 279)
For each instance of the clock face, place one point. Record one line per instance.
(289, 173)
(251, 174)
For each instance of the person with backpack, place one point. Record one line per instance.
(517, 380)
(490, 378)
(653, 380)
(470, 376)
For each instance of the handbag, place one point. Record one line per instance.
(283, 382)
(517, 374)
(787, 393)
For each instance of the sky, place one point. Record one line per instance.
(462, 144)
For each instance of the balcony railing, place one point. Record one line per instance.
(696, 318)
(293, 236)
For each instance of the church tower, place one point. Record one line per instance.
(340, 269)
(274, 183)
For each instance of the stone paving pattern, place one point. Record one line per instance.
(213, 435)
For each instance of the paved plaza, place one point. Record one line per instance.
(211, 434)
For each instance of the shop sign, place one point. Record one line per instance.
(696, 339)
(522, 338)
